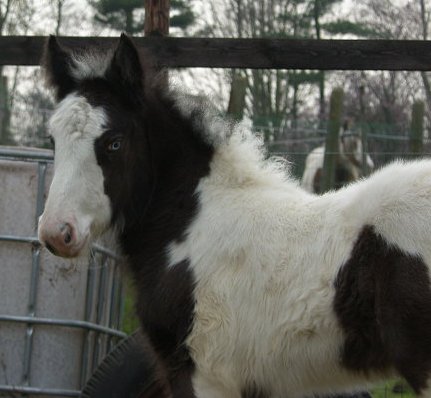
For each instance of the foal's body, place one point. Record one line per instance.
(266, 270)
(247, 285)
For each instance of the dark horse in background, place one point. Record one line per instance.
(247, 285)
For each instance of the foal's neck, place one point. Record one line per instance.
(165, 294)
(180, 159)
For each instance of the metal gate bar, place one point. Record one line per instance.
(34, 280)
(71, 323)
(39, 391)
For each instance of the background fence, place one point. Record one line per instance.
(385, 144)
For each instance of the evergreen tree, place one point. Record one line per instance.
(315, 12)
(182, 15)
(125, 15)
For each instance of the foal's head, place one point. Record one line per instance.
(100, 131)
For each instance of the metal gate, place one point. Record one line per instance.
(58, 318)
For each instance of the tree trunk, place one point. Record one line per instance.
(129, 22)
(59, 21)
(295, 107)
(237, 97)
(425, 80)
(417, 129)
(5, 136)
(322, 109)
(363, 130)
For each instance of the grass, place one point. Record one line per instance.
(130, 320)
(393, 389)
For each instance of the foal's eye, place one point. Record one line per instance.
(114, 145)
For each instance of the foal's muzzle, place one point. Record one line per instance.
(60, 239)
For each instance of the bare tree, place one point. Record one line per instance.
(59, 6)
(5, 136)
(29, 102)
(425, 20)
(276, 98)
(406, 20)
(5, 7)
(273, 97)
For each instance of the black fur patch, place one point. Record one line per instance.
(151, 182)
(383, 303)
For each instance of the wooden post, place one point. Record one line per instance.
(237, 97)
(5, 136)
(156, 17)
(332, 145)
(417, 129)
(157, 24)
(363, 130)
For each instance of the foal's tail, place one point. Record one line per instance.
(130, 371)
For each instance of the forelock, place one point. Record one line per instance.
(76, 116)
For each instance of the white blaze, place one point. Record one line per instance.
(76, 195)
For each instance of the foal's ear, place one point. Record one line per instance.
(126, 68)
(56, 65)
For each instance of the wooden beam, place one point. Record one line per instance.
(175, 52)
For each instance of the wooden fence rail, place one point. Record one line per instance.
(248, 53)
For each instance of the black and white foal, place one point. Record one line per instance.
(248, 286)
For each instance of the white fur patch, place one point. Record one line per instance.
(77, 191)
(265, 254)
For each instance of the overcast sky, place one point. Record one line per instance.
(78, 16)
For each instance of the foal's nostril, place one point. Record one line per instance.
(66, 231)
(67, 238)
